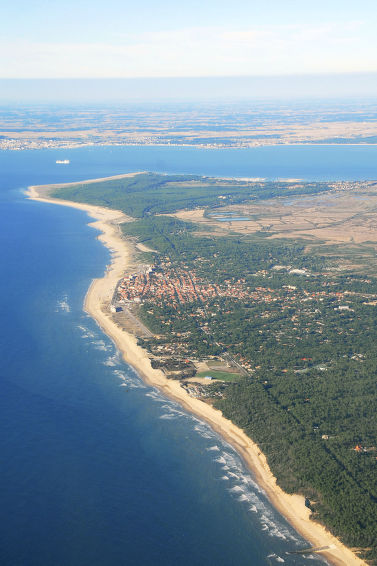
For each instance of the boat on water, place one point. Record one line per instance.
(62, 161)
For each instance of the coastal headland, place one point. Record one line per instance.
(97, 302)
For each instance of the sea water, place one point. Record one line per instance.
(96, 468)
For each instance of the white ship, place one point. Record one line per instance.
(63, 161)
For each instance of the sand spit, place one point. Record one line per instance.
(96, 304)
(43, 189)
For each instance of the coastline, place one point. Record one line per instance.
(249, 145)
(99, 294)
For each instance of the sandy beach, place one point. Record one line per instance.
(96, 304)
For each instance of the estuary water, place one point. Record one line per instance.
(96, 468)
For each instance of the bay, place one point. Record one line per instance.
(95, 467)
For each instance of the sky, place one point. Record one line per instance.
(206, 38)
(285, 88)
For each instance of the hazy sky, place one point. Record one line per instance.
(166, 38)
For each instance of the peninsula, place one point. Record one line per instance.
(253, 304)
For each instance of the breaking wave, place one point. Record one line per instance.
(63, 305)
(213, 449)
(101, 345)
(113, 360)
(130, 381)
(171, 412)
(85, 332)
(276, 557)
(247, 491)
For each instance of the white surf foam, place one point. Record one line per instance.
(112, 361)
(155, 396)
(172, 412)
(213, 449)
(129, 380)
(243, 497)
(63, 305)
(236, 489)
(85, 332)
(167, 417)
(101, 345)
(276, 557)
(233, 475)
(246, 490)
(203, 429)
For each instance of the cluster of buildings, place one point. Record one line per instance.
(20, 144)
(200, 391)
(175, 286)
(166, 284)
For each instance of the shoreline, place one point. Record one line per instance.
(99, 294)
(192, 145)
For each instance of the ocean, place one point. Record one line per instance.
(96, 467)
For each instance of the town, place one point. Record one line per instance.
(201, 309)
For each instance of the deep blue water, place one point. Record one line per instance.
(96, 468)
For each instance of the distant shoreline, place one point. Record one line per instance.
(75, 145)
(97, 300)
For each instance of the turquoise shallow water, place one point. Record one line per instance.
(95, 467)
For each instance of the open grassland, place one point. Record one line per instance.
(341, 221)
